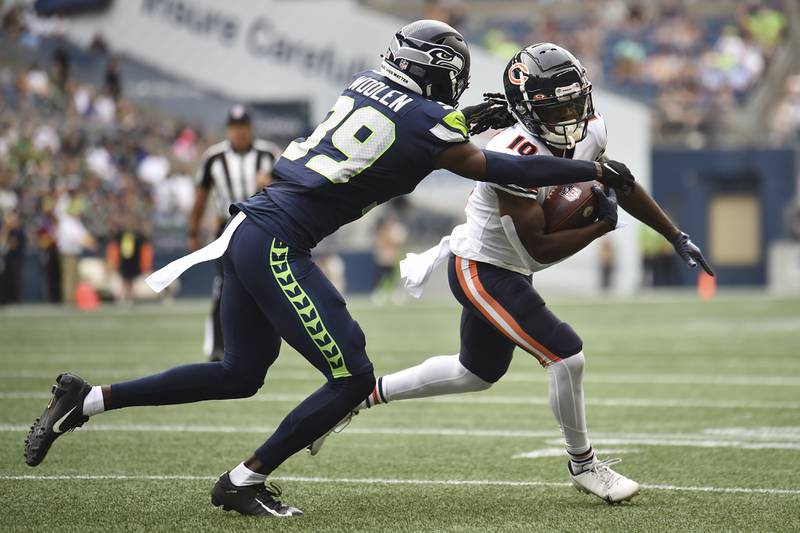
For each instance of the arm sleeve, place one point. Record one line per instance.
(539, 171)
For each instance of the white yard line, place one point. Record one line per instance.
(692, 443)
(669, 379)
(393, 481)
(654, 378)
(473, 399)
(559, 451)
(770, 439)
(514, 377)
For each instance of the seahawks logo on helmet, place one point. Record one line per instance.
(430, 58)
(447, 58)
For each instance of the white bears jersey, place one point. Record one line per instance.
(484, 237)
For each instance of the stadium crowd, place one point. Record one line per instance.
(80, 167)
(691, 64)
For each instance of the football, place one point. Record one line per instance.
(569, 206)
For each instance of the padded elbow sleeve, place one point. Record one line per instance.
(536, 171)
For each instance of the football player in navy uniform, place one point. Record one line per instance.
(386, 132)
(546, 110)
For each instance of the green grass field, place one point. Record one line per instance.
(701, 400)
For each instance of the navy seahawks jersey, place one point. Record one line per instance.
(379, 141)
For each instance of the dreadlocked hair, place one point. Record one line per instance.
(492, 113)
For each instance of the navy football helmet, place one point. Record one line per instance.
(549, 94)
(430, 58)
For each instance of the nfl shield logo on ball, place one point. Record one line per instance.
(570, 193)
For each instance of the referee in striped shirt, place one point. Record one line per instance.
(234, 169)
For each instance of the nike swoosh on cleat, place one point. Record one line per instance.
(270, 511)
(57, 425)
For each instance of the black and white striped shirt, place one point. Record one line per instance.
(233, 174)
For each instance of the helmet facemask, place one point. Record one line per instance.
(561, 120)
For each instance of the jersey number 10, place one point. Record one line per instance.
(362, 139)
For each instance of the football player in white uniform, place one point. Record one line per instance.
(547, 110)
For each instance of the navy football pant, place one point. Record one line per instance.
(502, 310)
(271, 291)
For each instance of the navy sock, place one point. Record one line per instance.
(311, 419)
(184, 384)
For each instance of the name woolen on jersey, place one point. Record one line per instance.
(380, 92)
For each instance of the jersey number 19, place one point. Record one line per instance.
(362, 138)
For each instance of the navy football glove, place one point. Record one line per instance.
(606, 205)
(617, 175)
(690, 253)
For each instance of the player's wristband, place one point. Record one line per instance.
(538, 171)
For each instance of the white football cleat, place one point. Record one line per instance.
(600, 480)
(315, 446)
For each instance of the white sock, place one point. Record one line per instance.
(93, 403)
(443, 374)
(242, 476)
(566, 401)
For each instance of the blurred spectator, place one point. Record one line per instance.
(390, 238)
(185, 149)
(649, 241)
(49, 258)
(786, 117)
(129, 254)
(113, 79)
(72, 238)
(12, 252)
(60, 70)
(9, 200)
(658, 260)
(12, 23)
(608, 263)
(733, 62)
(36, 82)
(764, 24)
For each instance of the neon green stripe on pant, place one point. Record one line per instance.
(302, 304)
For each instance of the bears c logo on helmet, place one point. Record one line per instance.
(518, 73)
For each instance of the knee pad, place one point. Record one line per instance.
(573, 362)
(472, 383)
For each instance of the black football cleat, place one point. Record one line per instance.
(252, 500)
(63, 413)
